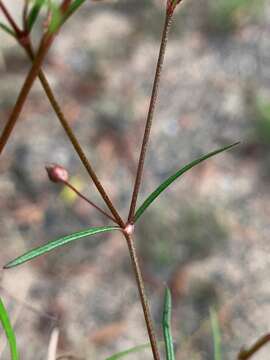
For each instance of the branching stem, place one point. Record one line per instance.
(36, 71)
(73, 139)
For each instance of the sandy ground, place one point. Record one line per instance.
(207, 237)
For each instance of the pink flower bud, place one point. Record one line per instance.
(57, 173)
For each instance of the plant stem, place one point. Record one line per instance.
(69, 132)
(152, 105)
(36, 71)
(246, 354)
(28, 83)
(9, 18)
(88, 201)
(143, 297)
(24, 14)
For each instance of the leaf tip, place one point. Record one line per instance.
(9, 265)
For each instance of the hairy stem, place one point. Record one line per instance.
(143, 297)
(69, 132)
(28, 83)
(152, 105)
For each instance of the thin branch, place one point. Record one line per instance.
(28, 83)
(247, 354)
(10, 18)
(142, 293)
(152, 105)
(25, 42)
(88, 201)
(74, 141)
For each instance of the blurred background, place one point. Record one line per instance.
(207, 236)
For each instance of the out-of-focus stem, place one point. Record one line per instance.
(28, 83)
(247, 354)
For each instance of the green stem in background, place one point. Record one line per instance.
(4, 319)
(152, 105)
(216, 334)
(247, 354)
(166, 323)
(143, 297)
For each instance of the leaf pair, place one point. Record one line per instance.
(95, 230)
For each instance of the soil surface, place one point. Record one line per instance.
(206, 237)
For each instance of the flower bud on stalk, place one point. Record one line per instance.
(57, 173)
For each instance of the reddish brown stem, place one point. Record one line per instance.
(143, 298)
(149, 119)
(88, 201)
(43, 49)
(9, 18)
(24, 41)
(247, 354)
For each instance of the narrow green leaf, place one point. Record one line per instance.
(216, 334)
(175, 176)
(57, 243)
(72, 8)
(34, 12)
(7, 29)
(4, 318)
(133, 350)
(166, 324)
(56, 18)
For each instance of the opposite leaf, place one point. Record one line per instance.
(175, 176)
(4, 318)
(57, 243)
